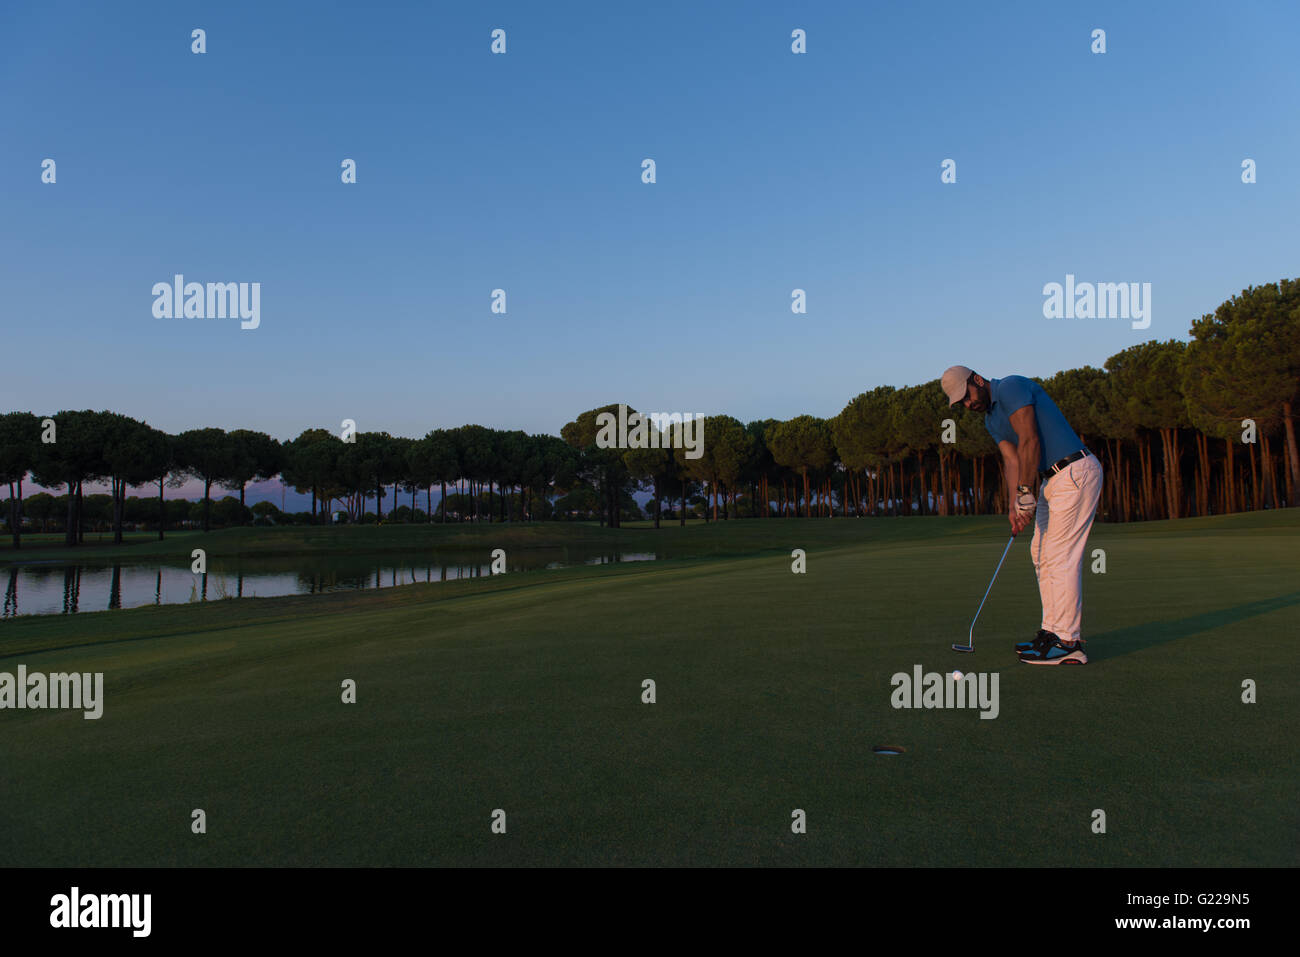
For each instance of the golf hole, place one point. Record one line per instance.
(887, 749)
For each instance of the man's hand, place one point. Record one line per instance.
(1026, 502)
(1023, 509)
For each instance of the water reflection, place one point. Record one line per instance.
(50, 588)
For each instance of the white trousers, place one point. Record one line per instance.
(1067, 503)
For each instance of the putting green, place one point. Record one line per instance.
(524, 693)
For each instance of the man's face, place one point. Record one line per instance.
(977, 398)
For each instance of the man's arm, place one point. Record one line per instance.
(1011, 463)
(1022, 420)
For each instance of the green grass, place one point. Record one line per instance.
(318, 540)
(522, 692)
(696, 538)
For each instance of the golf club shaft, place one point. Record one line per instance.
(970, 639)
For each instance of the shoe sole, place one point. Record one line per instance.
(1027, 647)
(1063, 660)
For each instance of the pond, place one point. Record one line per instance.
(55, 588)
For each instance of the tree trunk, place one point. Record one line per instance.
(921, 484)
(115, 488)
(70, 529)
(1173, 482)
(1176, 469)
(1230, 479)
(943, 483)
(1203, 468)
(1001, 491)
(1148, 479)
(1270, 490)
(15, 513)
(1292, 456)
(1254, 478)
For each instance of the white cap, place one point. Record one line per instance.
(954, 383)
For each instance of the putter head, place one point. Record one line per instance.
(967, 649)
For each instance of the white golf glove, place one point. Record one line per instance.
(1026, 503)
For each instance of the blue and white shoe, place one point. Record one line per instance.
(1037, 644)
(1057, 652)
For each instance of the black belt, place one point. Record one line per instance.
(1055, 467)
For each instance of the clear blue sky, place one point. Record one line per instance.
(522, 171)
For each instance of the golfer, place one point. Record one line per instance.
(1053, 481)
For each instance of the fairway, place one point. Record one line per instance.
(522, 692)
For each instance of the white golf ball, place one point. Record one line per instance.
(956, 676)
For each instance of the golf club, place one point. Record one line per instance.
(971, 637)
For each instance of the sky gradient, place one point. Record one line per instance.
(523, 172)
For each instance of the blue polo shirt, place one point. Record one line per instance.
(1056, 439)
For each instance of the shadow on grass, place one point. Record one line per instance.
(1153, 633)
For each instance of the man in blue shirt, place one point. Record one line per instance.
(1052, 481)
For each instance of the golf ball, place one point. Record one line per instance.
(956, 676)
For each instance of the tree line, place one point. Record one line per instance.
(1183, 428)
